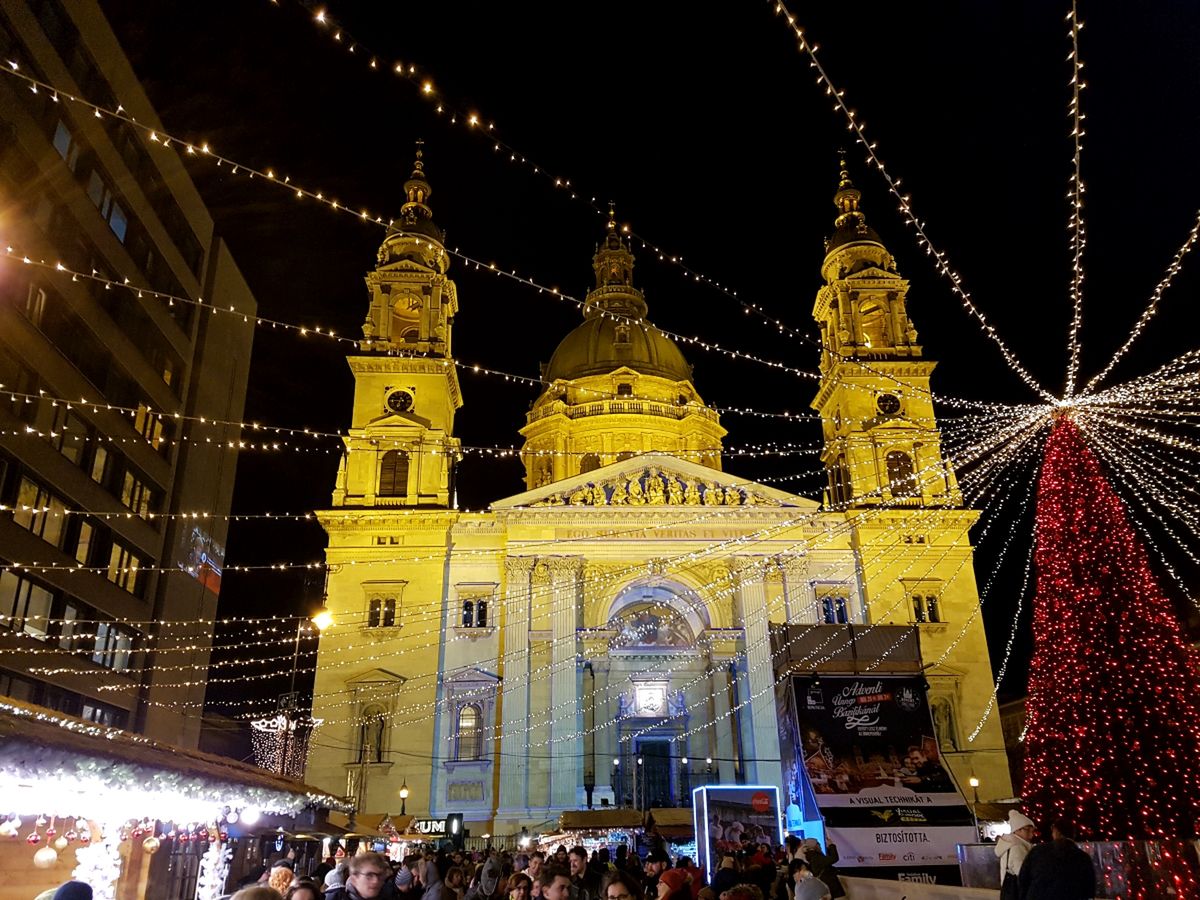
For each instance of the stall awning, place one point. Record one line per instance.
(671, 822)
(51, 761)
(600, 820)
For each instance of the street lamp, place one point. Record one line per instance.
(403, 797)
(974, 783)
(288, 703)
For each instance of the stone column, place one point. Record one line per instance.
(723, 721)
(514, 738)
(565, 746)
(798, 593)
(760, 672)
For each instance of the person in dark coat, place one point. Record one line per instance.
(1058, 869)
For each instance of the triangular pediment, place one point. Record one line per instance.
(872, 272)
(681, 483)
(392, 419)
(377, 676)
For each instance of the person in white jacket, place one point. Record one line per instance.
(1012, 848)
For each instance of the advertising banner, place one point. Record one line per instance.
(726, 814)
(872, 759)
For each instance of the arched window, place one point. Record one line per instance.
(481, 613)
(470, 733)
(589, 462)
(839, 477)
(900, 474)
(874, 325)
(393, 474)
(624, 454)
(468, 613)
(370, 734)
(410, 335)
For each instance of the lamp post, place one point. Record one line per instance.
(404, 797)
(974, 783)
(320, 620)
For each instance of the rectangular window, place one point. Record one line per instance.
(24, 606)
(149, 425)
(123, 568)
(39, 511)
(836, 610)
(381, 612)
(137, 495)
(66, 631)
(933, 607)
(918, 603)
(83, 543)
(99, 464)
(114, 647)
(102, 198)
(66, 145)
(35, 305)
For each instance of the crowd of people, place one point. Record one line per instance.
(800, 870)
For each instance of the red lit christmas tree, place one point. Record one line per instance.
(1113, 741)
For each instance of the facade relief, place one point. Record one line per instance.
(654, 487)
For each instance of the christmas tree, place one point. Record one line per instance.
(1113, 740)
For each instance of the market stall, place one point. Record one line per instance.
(134, 818)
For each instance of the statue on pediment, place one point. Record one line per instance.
(713, 496)
(619, 495)
(655, 495)
(580, 497)
(691, 494)
(732, 496)
(637, 496)
(599, 498)
(674, 491)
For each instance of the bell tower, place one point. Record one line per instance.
(882, 444)
(401, 450)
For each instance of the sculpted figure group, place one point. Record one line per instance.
(651, 487)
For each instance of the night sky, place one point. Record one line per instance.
(702, 122)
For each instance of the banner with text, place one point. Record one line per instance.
(873, 761)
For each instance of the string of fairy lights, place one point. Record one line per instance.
(1075, 225)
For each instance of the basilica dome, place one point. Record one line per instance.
(615, 333)
(601, 345)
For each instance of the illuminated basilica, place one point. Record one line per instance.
(605, 637)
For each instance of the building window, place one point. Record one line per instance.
(624, 455)
(470, 733)
(35, 305)
(918, 608)
(114, 647)
(99, 465)
(101, 195)
(624, 390)
(83, 542)
(39, 511)
(137, 496)
(149, 425)
(481, 612)
(24, 606)
(835, 610)
(66, 629)
(475, 612)
(381, 612)
(66, 145)
(393, 474)
(103, 714)
(839, 477)
(900, 474)
(468, 613)
(933, 608)
(589, 463)
(123, 568)
(370, 734)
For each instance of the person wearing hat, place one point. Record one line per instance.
(1012, 848)
(488, 886)
(655, 864)
(673, 885)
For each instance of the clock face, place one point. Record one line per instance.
(888, 404)
(400, 401)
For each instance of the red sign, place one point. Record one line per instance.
(760, 801)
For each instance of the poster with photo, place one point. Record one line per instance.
(726, 815)
(872, 758)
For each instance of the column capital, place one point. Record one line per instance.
(563, 567)
(516, 566)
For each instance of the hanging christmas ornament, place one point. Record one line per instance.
(34, 838)
(60, 843)
(71, 836)
(51, 831)
(151, 844)
(40, 821)
(85, 837)
(45, 857)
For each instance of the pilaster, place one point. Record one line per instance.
(564, 683)
(514, 734)
(760, 673)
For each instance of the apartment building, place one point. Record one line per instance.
(108, 591)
